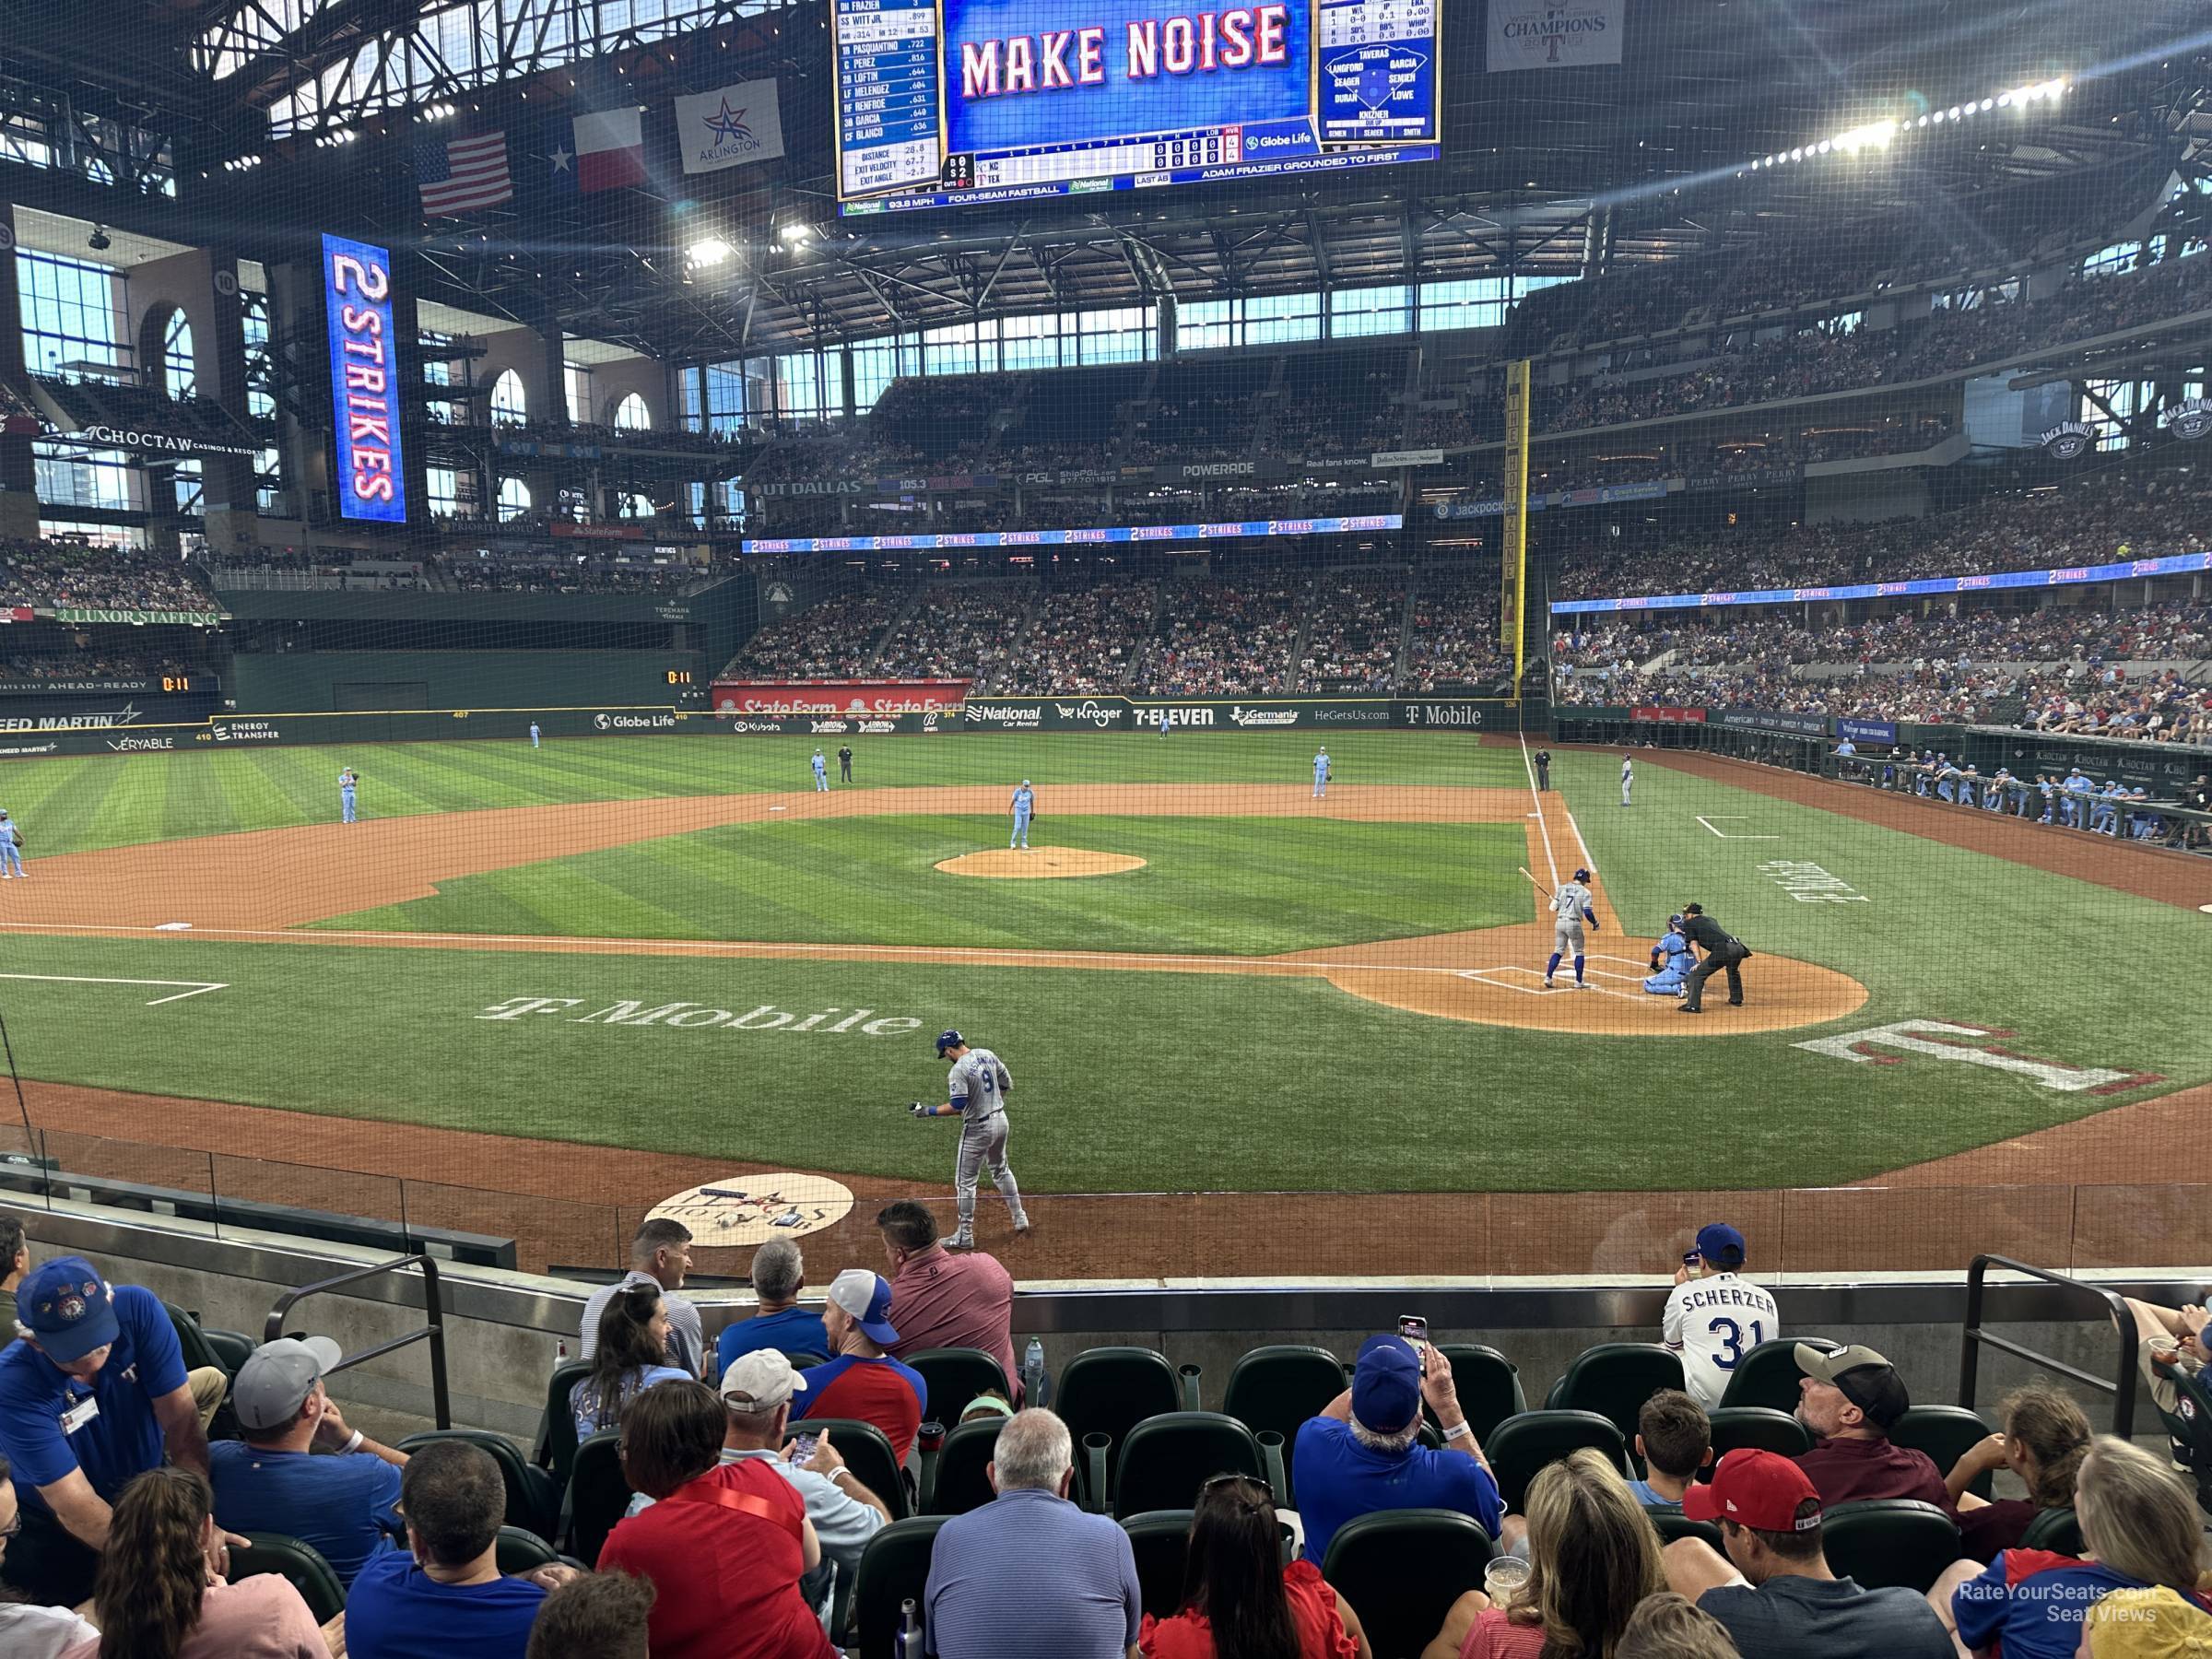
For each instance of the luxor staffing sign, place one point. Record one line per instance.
(364, 381)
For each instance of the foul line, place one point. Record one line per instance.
(1536, 795)
(198, 987)
(1733, 818)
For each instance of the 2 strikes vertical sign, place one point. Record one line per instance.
(364, 381)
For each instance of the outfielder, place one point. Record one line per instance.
(347, 781)
(533, 735)
(821, 773)
(978, 1085)
(1321, 776)
(1570, 910)
(1627, 778)
(1025, 807)
(1163, 723)
(1671, 960)
(11, 849)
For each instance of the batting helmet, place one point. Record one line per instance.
(949, 1039)
(1582, 875)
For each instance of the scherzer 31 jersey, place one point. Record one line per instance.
(1712, 1323)
(977, 1084)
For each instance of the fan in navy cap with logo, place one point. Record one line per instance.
(1363, 1452)
(93, 1395)
(1713, 1316)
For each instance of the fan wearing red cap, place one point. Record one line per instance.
(1774, 1590)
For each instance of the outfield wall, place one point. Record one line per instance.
(385, 726)
(354, 681)
(1051, 712)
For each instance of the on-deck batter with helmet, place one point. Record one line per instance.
(978, 1084)
(1570, 910)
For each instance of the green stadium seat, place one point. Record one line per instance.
(598, 1494)
(1769, 1376)
(867, 1453)
(1759, 1426)
(1489, 1385)
(956, 1375)
(1891, 1541)
(1107, 1391)
(1946, 1433)
(533, 1500)
(961, 1483)
(2190, 1427)
(1615, 1379)
(894, 1567)
(1522, 1445)
(520, 1550)
(1671, 1525)
(2057, 1529)
(1401, 1570)
(1160, 1539)
(299, 1562)
(1276, 1390)
(1166, 1459)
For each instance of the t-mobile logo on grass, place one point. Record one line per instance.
(697, 1015)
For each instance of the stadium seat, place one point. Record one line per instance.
(959, 1482)
(520, 1550)
(1769, 1376)
(894, 1567)
(598, 1493)
(956, 1375)
(2058, 1529)
(300, 1562)
(1946, 1433)
(1278, 1389)
(867, 1453)
(533, 1500)
(1108, 1391)
(197, 1352)
(1891, 1541)
(2190, 1425)
(1489, 1385)
(1523, 1444)
(556, 1448)
(801, 1361)
(1615, 1379)
(1673, 1524)
(1759, 1426)
(1402, 1570)
(1160, 1539)
(1166, 1459)
(231, 1349)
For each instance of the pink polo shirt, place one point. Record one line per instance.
(940, 1299)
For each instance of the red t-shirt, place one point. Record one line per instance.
(941, 1300)
(1321, 1632)
(725, 1583)
(877, 1391)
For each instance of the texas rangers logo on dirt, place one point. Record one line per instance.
(745, 1210)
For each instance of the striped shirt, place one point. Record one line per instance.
(1031, 1573)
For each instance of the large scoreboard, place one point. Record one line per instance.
(945, 101)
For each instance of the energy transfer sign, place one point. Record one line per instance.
(364, 381)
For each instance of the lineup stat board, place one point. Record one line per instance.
(945, 101)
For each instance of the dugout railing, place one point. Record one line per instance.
(2118, 1382)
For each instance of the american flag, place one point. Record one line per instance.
(460, 175)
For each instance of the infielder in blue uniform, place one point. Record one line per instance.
(979, 1085)
(821, 773)
(1627, 778)
(1025, 804)
(346, 780)
(1570, 910)
(1671, 960)
(1321, 776)
(11, 849)
(534, 734)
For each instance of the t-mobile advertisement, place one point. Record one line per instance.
(364, 381)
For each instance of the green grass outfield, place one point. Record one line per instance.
(1126, 1080)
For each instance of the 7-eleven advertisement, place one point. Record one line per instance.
(837, 697)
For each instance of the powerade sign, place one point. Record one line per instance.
(364, 381)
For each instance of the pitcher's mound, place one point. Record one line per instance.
(1007, 864)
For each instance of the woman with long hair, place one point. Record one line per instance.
(632, 1353)
(159, 1595)
(1593, 1557)
(1239, 1600)
(2139, 1530)
(2046, 1436)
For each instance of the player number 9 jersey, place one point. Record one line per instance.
(979, 1078)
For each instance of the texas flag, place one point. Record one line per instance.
(610, 149)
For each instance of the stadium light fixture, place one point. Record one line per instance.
(709, 251)
(796, 231)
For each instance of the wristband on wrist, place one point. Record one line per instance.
(354, 1444)
(1457, 1429)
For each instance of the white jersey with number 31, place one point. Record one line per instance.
(1712, 1323)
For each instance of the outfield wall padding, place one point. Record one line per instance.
(1065, 714)
(338, 681)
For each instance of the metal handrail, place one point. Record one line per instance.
(2121, 1385)
(433, 1331)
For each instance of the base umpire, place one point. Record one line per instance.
(1720, 949)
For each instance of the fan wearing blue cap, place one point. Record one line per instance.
(1715, 1317)
(1363, 1452)
(94, 1394)
(862, 1381)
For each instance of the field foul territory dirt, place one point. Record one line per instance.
(269, 885)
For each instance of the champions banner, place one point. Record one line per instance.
(364, 381)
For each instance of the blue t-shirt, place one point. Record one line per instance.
(124, 1438)
(2033, 1602)
(344, 1506)
(1339, 1479)
(795, 1331)
(395, 1610)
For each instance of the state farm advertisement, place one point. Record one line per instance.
(1664, 714)
(837, 697)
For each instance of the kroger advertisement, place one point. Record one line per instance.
(364, 381)
(1003, 100)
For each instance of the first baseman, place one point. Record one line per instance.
(821, 772)
(1321, 776)
(11, 849)
(347, 780)
(1025, 804)
(1570, 910)
(1627, 778)
(978, 1085)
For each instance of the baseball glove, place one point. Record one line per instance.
(922, 1109)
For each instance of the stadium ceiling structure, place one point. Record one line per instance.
(1544, 173)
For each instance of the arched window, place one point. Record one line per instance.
(631, 416)
(514, 499)
(179, 377)
(510, 404)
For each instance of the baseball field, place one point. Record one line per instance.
(677, 950)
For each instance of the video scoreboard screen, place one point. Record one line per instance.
(945, 101)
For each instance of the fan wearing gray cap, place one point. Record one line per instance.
(1850, 1399)
(346, 1506)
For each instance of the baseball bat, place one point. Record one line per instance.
(1533, 881)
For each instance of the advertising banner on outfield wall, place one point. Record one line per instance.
(839, 725)
(847, 698)
(1064, 713)
(1867, 731)
(1769, 720)
(1667, 715)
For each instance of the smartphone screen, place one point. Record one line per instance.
(1414, 1329)
(802, 1449)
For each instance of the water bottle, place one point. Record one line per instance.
(560, 1353)
(908, 1645)
(1032, 1373)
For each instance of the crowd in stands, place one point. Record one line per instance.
(1228, 638)
(1454, 637)
(754, 1474)
(45, 573)
(1091, 638)
(547, 576)
(833, 640)
(88, 665)
(959, 630)
(1352, 644)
